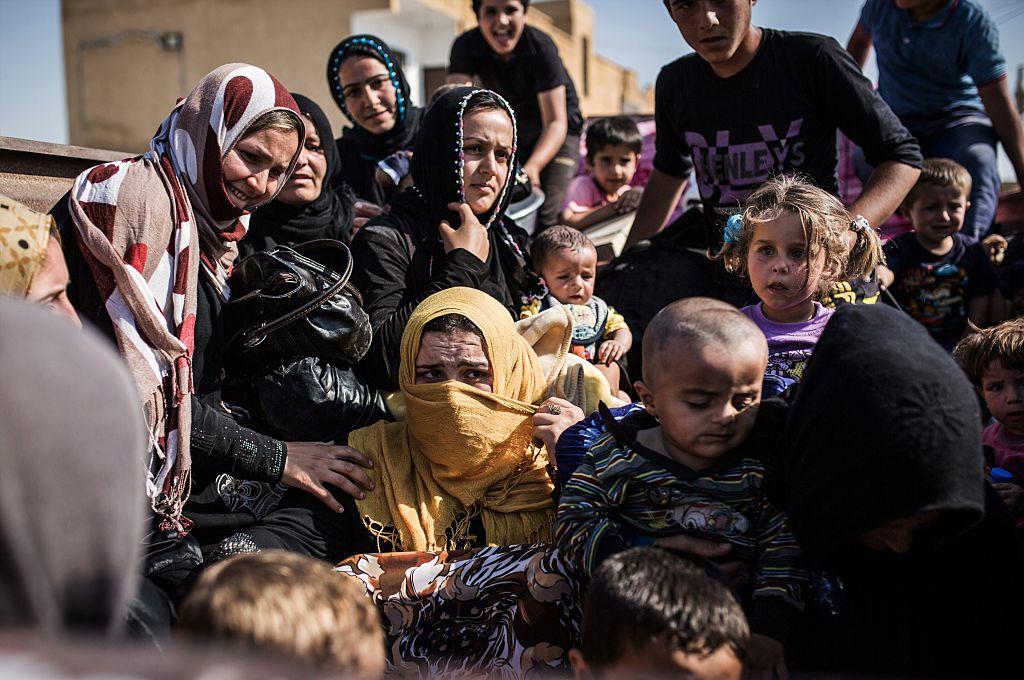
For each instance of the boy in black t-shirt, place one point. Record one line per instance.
(755, 102)
(935, 273)
(521, 63)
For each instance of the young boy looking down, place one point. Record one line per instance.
(684, 466)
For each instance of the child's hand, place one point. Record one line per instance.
(629, 201)
(766, 658)
(1012, 495)
(610, 351)
(885, 276)
(995, 246)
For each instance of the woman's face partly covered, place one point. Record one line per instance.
(487, 145)
(254, 167)
(369, 93)
(306, 183)
(458, 356)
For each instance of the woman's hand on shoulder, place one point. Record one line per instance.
(470, 236)
(553, 417)
(312, 465)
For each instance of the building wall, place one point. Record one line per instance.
(125, 65)
(121, 83)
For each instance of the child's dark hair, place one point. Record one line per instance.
(644, 597)
(613, 131)
(477, 4)
(554, 239)
(1003, 343)
(939, 172)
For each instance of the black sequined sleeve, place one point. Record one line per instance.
(219, 444)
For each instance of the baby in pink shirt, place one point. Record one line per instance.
(613, 149)
(993, 359)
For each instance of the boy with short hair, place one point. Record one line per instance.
(567, 261)
(752, 103)
(685, 465)
(289, 605)
(613, 150)
(936, 274)
(993, 360)
(651, 613)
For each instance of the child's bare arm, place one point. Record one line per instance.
(583, 220)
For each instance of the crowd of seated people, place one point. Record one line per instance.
(323, 401)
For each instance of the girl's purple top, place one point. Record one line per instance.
(789, 346)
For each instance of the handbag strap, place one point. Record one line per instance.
(254, 337)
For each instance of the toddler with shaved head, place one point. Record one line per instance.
(685, 464)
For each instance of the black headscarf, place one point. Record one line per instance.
(885, 426)
(437, 181)
(329, 215)
(407, 116)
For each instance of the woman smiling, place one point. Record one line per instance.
(369, 86)
(150, 242)
(315, 203)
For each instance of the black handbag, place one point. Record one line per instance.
(295, 302)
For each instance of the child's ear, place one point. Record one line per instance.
(588, 162)
(580, 669)
(645, 396)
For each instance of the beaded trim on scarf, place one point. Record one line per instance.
(335, 78)
(460, 152)
(236, 544)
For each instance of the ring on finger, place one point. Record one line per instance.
(554, 409)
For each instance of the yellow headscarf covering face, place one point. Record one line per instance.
(24, 236)
(461, 451)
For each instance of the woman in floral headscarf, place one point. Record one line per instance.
(150, 242)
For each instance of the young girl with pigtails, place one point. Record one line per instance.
(794, 241)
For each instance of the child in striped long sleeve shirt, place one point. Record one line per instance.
(685, 464)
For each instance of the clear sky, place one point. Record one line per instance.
(637, 33)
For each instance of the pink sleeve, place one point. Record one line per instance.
(582, 195)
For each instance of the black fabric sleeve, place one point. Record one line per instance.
(301, 523)
(893, 256)
(984, 280)
(381, 275)
(460, 59)
(772, 617)
(548, 71)
(850, 100)
(219, 444)
(672, 154)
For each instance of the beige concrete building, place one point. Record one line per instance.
(127, 61)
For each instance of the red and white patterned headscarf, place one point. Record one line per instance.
(145, 226)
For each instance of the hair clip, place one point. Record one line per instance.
(859, 224)
(733, 227)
